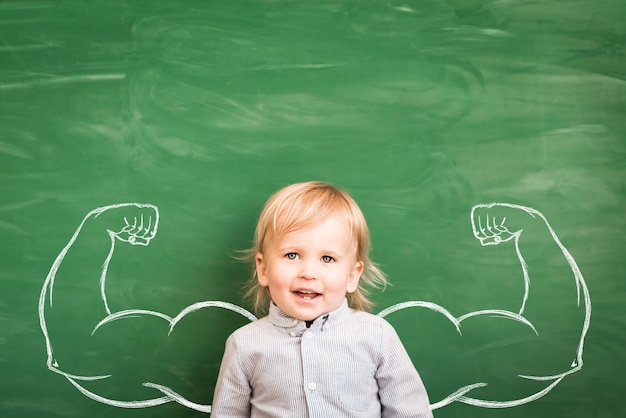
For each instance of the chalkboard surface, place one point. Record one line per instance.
(485, 142)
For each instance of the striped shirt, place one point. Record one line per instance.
(346, 364)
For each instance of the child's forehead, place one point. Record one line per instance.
(330, 229)
(287, 223)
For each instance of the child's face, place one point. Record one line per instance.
(308, 272)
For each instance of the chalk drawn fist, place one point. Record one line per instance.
(494, 223)
(134, 223)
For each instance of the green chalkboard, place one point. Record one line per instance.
(485, 141)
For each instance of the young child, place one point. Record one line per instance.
(317, 353)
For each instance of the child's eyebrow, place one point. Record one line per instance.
(288, 248)
(337, 254)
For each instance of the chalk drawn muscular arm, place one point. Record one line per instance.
(70, 324)
(137, 229)
(131, 223)
(552, 290)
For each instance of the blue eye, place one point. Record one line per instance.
(291, 256)
(327, 259)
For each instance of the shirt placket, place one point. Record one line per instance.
(310, 370)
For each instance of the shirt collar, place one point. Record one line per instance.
(277, 317)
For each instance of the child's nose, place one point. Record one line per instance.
(308, 270)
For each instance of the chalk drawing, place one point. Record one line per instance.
(491, 229)
(488, 225)
(138, 230)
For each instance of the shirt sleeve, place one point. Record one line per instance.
(232, 391)
(400, 388)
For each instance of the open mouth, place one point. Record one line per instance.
(306, 294)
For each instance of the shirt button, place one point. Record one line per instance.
(294, 322)
(308, 334)
(312, 386)
(293, 334)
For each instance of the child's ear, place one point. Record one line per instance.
(260, 269)
(355, 275)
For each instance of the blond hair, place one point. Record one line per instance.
(304, 205)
